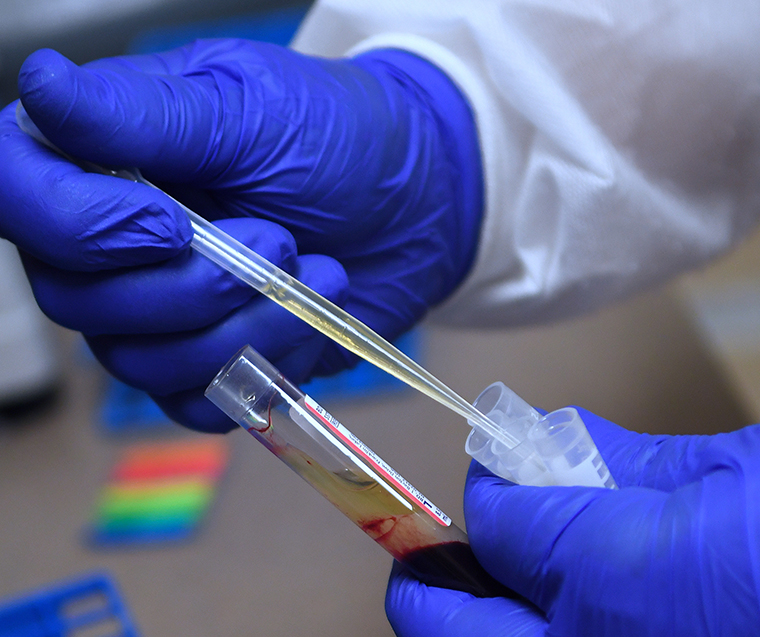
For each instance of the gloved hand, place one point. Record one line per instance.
(676, 551)
(372, 162)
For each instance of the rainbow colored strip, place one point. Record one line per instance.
(159, 492)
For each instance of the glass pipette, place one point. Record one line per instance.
(294, 296)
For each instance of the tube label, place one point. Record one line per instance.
(382, 467)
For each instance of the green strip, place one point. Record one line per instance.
(154, 504)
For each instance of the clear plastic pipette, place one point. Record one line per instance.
(294, 296)
(328, 318)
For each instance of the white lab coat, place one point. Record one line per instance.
(620, 138)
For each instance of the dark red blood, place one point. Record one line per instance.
(453, 565)
(374, 527)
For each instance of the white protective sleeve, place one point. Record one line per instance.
(620, 140)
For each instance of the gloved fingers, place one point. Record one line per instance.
(116, 114)
(417, 610)
(625, 452)
(297, 365)
(536, 540)
(280, 135)
(658, 462)
(168, 363)
(172, 62)
(76, 220)
(192, 409)
(187, 292)
(382, 297)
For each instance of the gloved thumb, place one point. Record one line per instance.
(135, 111)
(416, 609)
(538, 541)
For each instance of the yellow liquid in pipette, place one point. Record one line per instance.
(356, 337)
(330, 320)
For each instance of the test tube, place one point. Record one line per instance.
(349, 474)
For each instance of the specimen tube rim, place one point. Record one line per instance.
(246, 379)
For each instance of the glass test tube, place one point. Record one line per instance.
(349, 474)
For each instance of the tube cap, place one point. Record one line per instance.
(553, 449)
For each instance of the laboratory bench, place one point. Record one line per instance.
(272, 557)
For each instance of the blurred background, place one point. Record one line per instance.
(265, 555)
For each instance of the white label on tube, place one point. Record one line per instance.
(382, 467)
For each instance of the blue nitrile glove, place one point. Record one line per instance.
(373, 162)
(676, 551)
